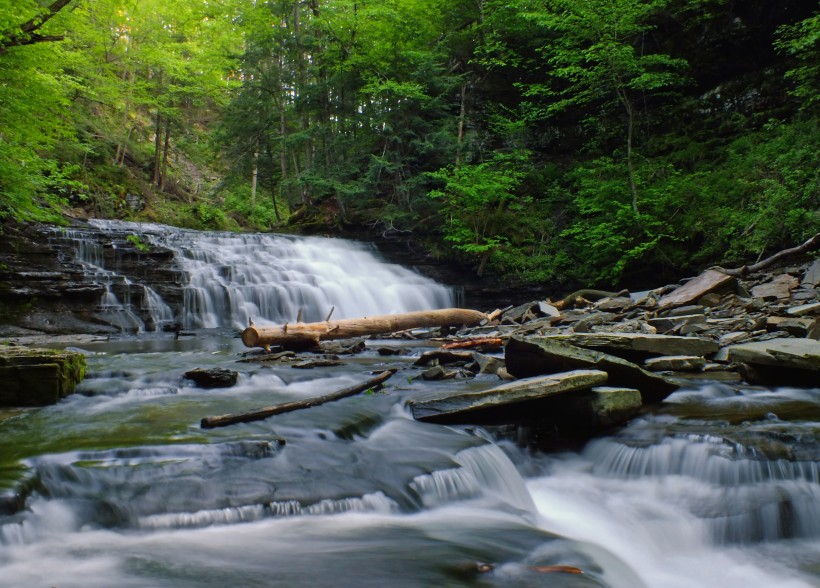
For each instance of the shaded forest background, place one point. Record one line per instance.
(551, 141)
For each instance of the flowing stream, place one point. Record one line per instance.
(119, 486)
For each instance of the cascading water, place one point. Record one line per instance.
(229, 279)
(119, 486)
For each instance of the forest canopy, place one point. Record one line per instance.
(541, 141)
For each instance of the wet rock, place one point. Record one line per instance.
(787, 353)
(675, 363)
(616, 304)
(483, 405)
(734, 337)
(598, 318)
(547, 309)
(779, 288)
(811, 278)
(797, 327)
(785, 360)
(604, 407)
(213, 378)
(545, 355)
(444, 357)
(343, 346)
(813, 308)
(438, 372)
(707, 282)
(388, 351)
(37, 377)
(639, 346)
(487, 364)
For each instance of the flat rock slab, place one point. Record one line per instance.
(780, 288)
(802, 354)
(38, 377)
(463, 406)
(708, 281)
(640, 343)
(526, 357)
(675, 363)
(804, 309)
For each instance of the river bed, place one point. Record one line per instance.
(717, 487)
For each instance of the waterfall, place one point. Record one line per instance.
(227, 279)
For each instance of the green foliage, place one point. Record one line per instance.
(476, 198)
(138, 243)
(550, 141)
(802, 41)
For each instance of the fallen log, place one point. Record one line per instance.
(307, 335)
(743, 271)
(268, 411)
(571, 300)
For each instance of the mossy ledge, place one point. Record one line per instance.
(38, 377)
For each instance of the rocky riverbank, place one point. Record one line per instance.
(592, 360)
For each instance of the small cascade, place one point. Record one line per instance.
(129, 306)
(223, 280)
(740, 498)
(485, 471)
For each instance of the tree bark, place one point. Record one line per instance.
(306, 335)
(263, 413)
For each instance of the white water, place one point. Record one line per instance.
(231, 278)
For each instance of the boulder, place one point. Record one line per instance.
(603, 407)
(783, 361)
(213, 378)
(483, 406)
(546, 355)
(787, 353)
(709, 281)
(638, 346)
(37, 377)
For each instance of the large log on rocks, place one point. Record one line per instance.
(37, 377)
(307, 335)
(531, 356)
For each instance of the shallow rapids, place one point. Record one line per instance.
(118, 486)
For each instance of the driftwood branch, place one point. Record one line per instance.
(756, 267)
(263, 413)
(586, 294)
(308, 335)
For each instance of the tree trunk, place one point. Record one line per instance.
(165, 148)
(263, 413)
(306, 335)
(461, 114)
(157, 148)
(255, 178)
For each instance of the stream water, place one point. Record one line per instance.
(119, 486)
